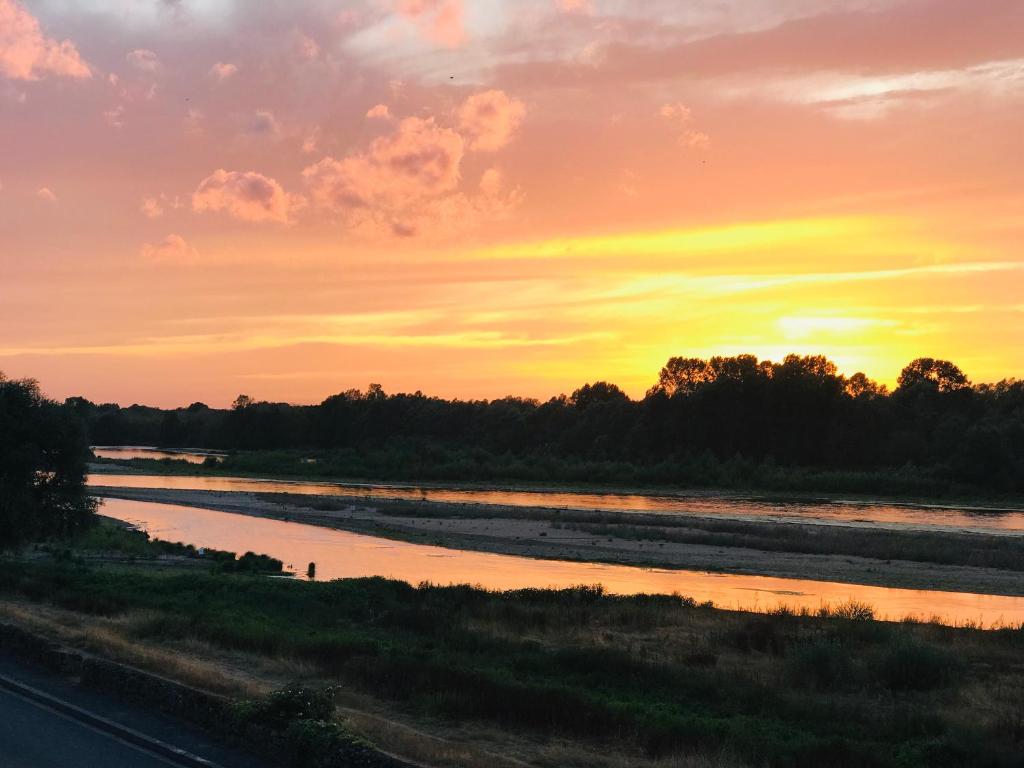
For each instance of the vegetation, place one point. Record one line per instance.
(43, 450)
(658, 675)
(110, 538)
(730, 422)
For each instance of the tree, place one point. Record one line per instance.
(42, 467)
(598, 392)
(242, 402)
(927, 372)
(859, 385)
(683, 375)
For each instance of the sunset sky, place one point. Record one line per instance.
(474, 198)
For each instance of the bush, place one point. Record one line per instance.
(909, 665)
(280, 708)
(822, 665)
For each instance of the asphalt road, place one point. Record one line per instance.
(34, 737)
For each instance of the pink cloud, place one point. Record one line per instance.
(947, 34)
(490, 119)
(46, 194)
(151, 208)
(682, 117)
(144, 61)
(406, 184)
(417, 160)
(574, 6)
(247, 195)
(439, 21)
(379, 112)
(222, 71)
(263, 124)
(173, 249)
(27, 54)
(304, 47)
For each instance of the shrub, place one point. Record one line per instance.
(909, 665)
(822, 665)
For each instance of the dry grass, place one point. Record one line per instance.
(111, 638)
(421, 741)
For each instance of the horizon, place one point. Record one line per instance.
(473, 199)
(888, 389)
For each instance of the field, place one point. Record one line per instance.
(555, 678)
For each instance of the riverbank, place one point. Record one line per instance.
(840, 554)
(869, 489)
(458, 677)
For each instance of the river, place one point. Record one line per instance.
(340, 554)
(1007, 522)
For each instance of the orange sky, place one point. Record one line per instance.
(476, 197)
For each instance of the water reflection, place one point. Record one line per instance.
(126, 452)
(340, 554)
(861, 514)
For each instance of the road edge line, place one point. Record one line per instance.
(109, 727)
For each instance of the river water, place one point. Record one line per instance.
(1009, 522)
(145, 452)
(339, 554)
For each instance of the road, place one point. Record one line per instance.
(34, 737)
(47, 721)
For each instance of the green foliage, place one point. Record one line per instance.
(115, 539)
(42, 467)
(429, 649)
(280, 708)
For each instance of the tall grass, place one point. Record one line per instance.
(582, 664)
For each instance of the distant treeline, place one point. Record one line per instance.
(712, 419)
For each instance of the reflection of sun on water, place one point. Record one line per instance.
(339, 554)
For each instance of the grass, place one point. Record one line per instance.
(657, 675)
(111, 539)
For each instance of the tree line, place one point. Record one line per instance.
(740, 411)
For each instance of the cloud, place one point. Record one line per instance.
(406, 185)
(245, 195)
(156, 206)
(379, 112)
(151, 208)
(144, 61)
(311, 142)
(47, 194)
(682, 117)
(304, 47)
(173, 249)
(439, 21)
(574, 6)
(947, 34)
(490, 118)
(222, 71)
(418, 159)
(264, 124)
(193, 122)
(27, 54)
(115, 116)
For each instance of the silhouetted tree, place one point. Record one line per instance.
(598, 392)
(940, 375)
(683, 375)
(42, 466)
(859, 385)
(702, 420)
